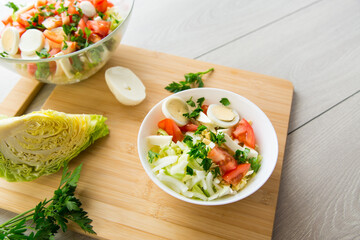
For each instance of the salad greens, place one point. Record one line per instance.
(225, 101)
(191, 80)
(45, 220)
(39, 143)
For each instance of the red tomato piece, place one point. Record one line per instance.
(52, 66)
(71, 47)
(20, 28)
(54, 51)
(99, 27)
(100, 5)
(245, 133)
(94, 38)
(235, 176)
(222, 158)
(7, 20)
(190, 127)
(171, 128)
(72, 9)
(40, 3)
(31, 68)
(24, 17)
(54, 36)
(82, 26)
(110, 4)
(205, 108)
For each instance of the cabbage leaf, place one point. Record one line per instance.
(41, 142)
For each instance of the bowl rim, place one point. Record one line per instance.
(20, 60)
(220, 201)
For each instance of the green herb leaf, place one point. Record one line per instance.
(4, 54)
(191, 80)
(216, 172)
(217, 138)
(225, 101)
(206, 163)
(200, 129)
(189, 171)
(152, 156)
(255, 163)
(43, 53)
(62, 9)
(190, 102)
(188, 140)
(12, 5)
(196, 112)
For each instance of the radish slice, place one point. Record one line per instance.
(31, 41)
(125, 85)
(10, 40)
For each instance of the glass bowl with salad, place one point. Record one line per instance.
(61, 41)
(207, 146)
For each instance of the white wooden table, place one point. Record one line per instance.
(315, 45)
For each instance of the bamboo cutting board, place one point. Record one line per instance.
(115, 190)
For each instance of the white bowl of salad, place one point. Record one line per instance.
(61, 41)
(207, 146)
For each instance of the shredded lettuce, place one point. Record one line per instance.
(41, 142)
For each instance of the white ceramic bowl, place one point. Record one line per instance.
(264, 132)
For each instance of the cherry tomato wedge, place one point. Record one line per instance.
(99, 27)
(171, 128)
(235, 176)
(53, 36)
(190, 127)
(100, 5)
(205, 108)
(222, 158)
(245, 133)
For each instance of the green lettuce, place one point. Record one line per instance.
(41, 142)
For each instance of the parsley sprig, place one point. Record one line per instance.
(50, 215)
(191, 80)
(196, 112)
(12, 5)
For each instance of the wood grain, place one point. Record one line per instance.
(190, 29)
(20, 97)
(319, 194)
(317, 49)
(116, 191)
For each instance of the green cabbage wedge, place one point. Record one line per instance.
(41, 142)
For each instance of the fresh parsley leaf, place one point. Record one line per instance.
(200, 101)
(43, 53)
(87, 32)
(50, 215)
(189, 171)
(68, 30)
(255, 163)
(216, 172)
(199, 150)
(196, 112)
(4, 54)
(65, 45)
(241, 156)
(152, 156)
(34, 22)
(217, 138)
(188, 140)
(62, 9)
(12, 5)
(190, 102)
(206, 163)
(102, 15)
(200, 129)
(191, 80)
(225, 101)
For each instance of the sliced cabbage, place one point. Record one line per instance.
(40, 143)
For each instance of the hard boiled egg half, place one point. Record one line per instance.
(175, 108)
(222, 116)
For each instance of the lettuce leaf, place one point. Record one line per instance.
(41, 142)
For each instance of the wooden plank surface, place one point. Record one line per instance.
(116, 192)
(189, 29)
(20, 97)
(319, 196)
(317, 49)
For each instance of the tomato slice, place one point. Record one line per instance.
(8, 20)
(55, 35)
(100, 5)
(99, 27)
(205, 108)
(190, 127)
(72, 9)
(94, 38)
(245, 133)
(54, 51)
(31, 68)
(222, 158)
(171, 128)
(235, 176)
(24, 17)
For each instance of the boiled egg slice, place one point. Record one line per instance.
(174, 108)
(125, 85)
(159, 140)
(29, 57)
(222, 116)
(31, 41)
(10, 40)
(87, 8)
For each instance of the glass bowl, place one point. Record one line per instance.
(79, 65)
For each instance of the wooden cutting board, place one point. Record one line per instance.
(121, 199)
